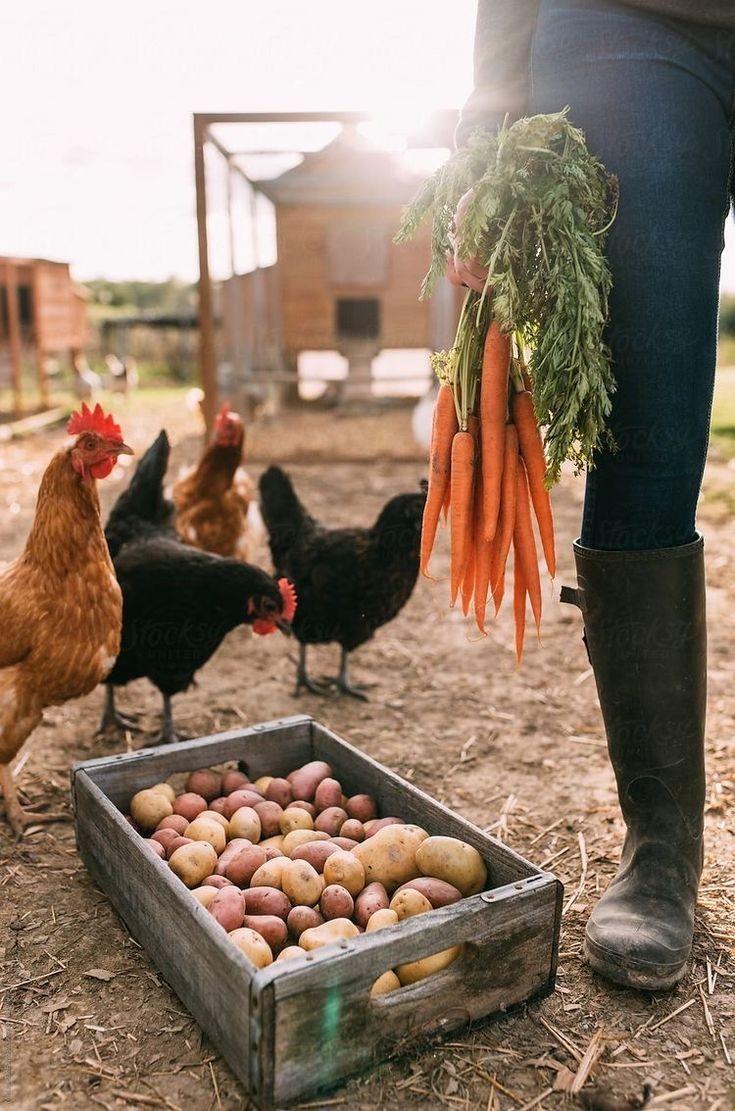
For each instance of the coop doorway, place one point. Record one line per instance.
(358, 318)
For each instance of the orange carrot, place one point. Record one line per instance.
(468, 579)
(445, 506)
(483, 555)
(519, 604)
(506, 520)
(493, 415)
(532, 451)
(443, 430)
(525, 545)
(460, 509)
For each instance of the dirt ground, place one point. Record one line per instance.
(87, 1022)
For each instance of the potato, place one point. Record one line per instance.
(303, 918)
(218, 805)
(275, 842)
(300, 804)
(336, 902)
(242, 867)
(215, 817)
(344, 843)
(270, 927)
(191, 863)
(438, 892)
(294, 818)
(304, 781)
(233, 848)
(177, 822)
(155, 846)
(269, 873)
(372, 898)
(255, 947)
(233, 780)
(165, 789)
(271, 852)
(165, 836)
(270, 817)
(216, 882)
(177, 844)
(414, 971)
(376, 824)
(261, 784)
(454, 861)
(362, 807)
(245, 823)
(266, 900)
(408, 902)
(336, 930)
(189, 805)
(149, 807)
(381, 920)
(389, 856)
(345, 869)
(385, 983)
(328, 794)
(204, 782)
(353, 829)
(205, 829)
(331, 820)
(316, 852)
(204, 895)
(240, 798)
(226, 908)
(300, 837)
(279, 790)
(292, 953)
(301, 883)
(421, 833)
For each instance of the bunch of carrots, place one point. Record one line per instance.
(487, 471)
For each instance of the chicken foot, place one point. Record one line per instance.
(303, 679)
(168, 734)
(17, 817)
(342, 681)
(112, 718)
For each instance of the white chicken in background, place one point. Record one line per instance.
(122, 374)
(86, 383)
(422, 418)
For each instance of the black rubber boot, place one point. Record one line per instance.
(644, 619)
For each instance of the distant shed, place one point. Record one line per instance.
(42, 313)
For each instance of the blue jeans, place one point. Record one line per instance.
(654, 97)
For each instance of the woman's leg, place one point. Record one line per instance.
(654, 99)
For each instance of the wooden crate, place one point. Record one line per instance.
(290, 1030)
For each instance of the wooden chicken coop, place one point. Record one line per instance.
(339, 283)
(43, 313)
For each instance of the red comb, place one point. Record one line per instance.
(94, 420)
(225, 413)
(288, 593)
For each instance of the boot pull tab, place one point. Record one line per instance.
(573, 595)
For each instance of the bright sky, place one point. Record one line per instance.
(96, 163)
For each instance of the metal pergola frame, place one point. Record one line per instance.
(438, 132)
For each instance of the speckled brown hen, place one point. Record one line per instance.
(213, 499)
(60, 603)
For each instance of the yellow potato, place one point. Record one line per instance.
(301, 883)
(255, 947)
(193, 863)
(389, 856)
(149, 807)
(270, 873)
(345, 869)
(292, 953)
(275, 842)
(408, 902)
(245, 823)
(385, 983)
(165, 789)
(293, 817)
(300, 837)
(205, 895)
(414, 971)
(204, 829)
(325, 934)
(215, 816)
(381, 920)
(263, 783)
(454, 861)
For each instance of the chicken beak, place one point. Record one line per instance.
(123, 449)
(284, 627)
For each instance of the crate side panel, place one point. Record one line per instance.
(210, 976)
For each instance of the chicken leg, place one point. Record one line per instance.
(168, 734)
(19, 818)
(303, 679)
(111, 716)
(342, 682)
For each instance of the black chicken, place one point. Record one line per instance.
(179, 603)
(348, 581)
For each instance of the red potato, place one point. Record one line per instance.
(190, 805)
(165, 836)
(328, 794)
(176, 822)
(174, 845)
(304, 781)
(302, 805)
(243, 866)
(231, 851)
(218, 805)
(376, 824)
(353, 830)
(331, 820)
(345, 843)
(279, 790)
(233, 780)
(303, 918)
(266, 900)
(155, 846)
(336, 902)
(271, 852)
(371, 898)
(204, 782)
(270, 814)
(438, 892)
(315, 852)
(240, 798)
(362, 807)
(226, 908)
(216, 881)
(269, 926)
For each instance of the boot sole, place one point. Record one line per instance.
(631, 973)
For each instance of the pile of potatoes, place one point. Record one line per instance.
(288, 865)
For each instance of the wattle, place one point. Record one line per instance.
(103, 468)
